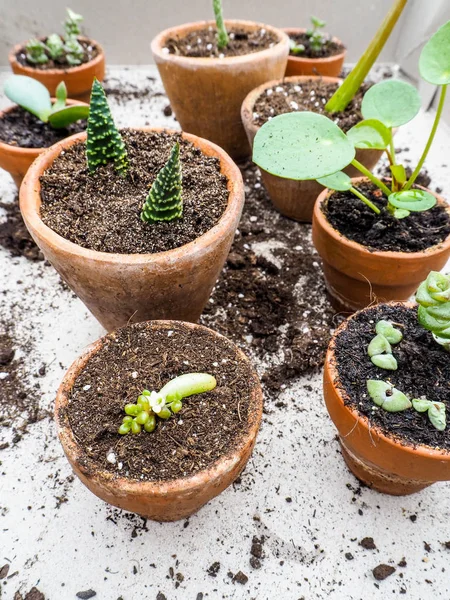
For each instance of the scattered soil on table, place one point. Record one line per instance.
(135, 358)
(415, 376)
(367, 543)
(20, 128)
(14, 235)
(203, 42)
(74, 203)
(329, 46)
(90, 52)
(357, 222)
(382, 571)
(124, 93)
(310, 95)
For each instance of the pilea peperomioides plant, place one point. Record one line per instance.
(222, 35)
(305, 145)
(316, 38)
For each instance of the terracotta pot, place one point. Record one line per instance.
(78, 79)
(160, 500)
(17, 160)
(356, 276)
(379, 461)
(206, 93)
(122, 288)
(331, 66)
(295, 199)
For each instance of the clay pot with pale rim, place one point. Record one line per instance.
(330, 66)
(122, 288)
(292, 198)
(206, 93)
(356, 276)
(380, 461)
(159, 500)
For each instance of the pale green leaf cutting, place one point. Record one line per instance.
(68, 115)
(385, 361)
(393, 102)
(339, 181)
(302, 146)
(61, 97)
(393, 335)
(434, 62)
(412, 200)
(370, 133)
(30, 94)
(379, 345)
(387, 396)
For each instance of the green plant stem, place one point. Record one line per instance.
(392, 149)
(416, 172)
(372, 177)
(222, 35)
(346, 92)
(366, 201)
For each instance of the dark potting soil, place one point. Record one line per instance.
(357, 222)
(423, 370)
(101, 211)
(90, 52)
(329, 47)
(203, 43)
(20, 128)
(311, 95)
(134, 358)
(14, 236)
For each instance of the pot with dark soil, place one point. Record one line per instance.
(207, 70)
(71, 58)
(35, 123)
(386, 389)
(313, 52)
(159, 417)
(139, 222)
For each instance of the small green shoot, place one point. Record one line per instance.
(317, 40)
(72, 24)
(222, 35)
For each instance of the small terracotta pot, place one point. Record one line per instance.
(122, 288)
(331, 66)
(356, 276)
(17, 160)
(78, 79)
(206, 93)
(381, 462)
(159, 500)
(295, 199)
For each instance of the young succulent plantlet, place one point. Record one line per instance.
(316, 38)
(380, 350)
(74, 51)
(104, 143)
(54, 46)
(164, 403)
(72, 24)
(433, 298)
(387, 396)
(36, 52)
(164, 201)
(436, 411)
(34, 97)
(222, 35)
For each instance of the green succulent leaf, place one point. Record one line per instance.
(55, 46)
(187, 385)
(379, 345)
(434, 61)
(412, 200)
(421, 404)
(61, 97)
(385, 361)
(393, 102)
(302, 146)
(377, 390)
(388, 397)
(436, 414)
(336, 181)
(67, 115)
(386, 328)
(30, 94)
(440, 311)
(396, 402)
(370, 133)
(438, 286)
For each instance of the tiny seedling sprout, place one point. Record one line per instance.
(165, 403)
(222, 35)
(316, 39)
(380, 350)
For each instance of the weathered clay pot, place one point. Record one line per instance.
(356, 276)
(295, 199)
(206, 93)
(379, 461)
(78, 79)
(122, 288)
(17, 160)
(164, 500)
(330, 66)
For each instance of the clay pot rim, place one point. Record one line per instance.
(30, 201)
(31, 71)
(158, 43)
(121, 485)
(362, 420)
(320, 60)
(251, 98)
(321, 221)
(31, 152)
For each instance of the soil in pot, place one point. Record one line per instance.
(329, 47)
(354, 220)
(102, 211)
(208, 427)
(202, 43)
(90, 52)
(311, 95)
(423, 370)
(20, 128)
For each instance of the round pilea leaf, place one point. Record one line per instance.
(412, 200)
(393, 102)
(434, 61)
(385, 361)
(378, 345)
(393, 335)
(302, 146)
(370, 133)
(339, 181)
